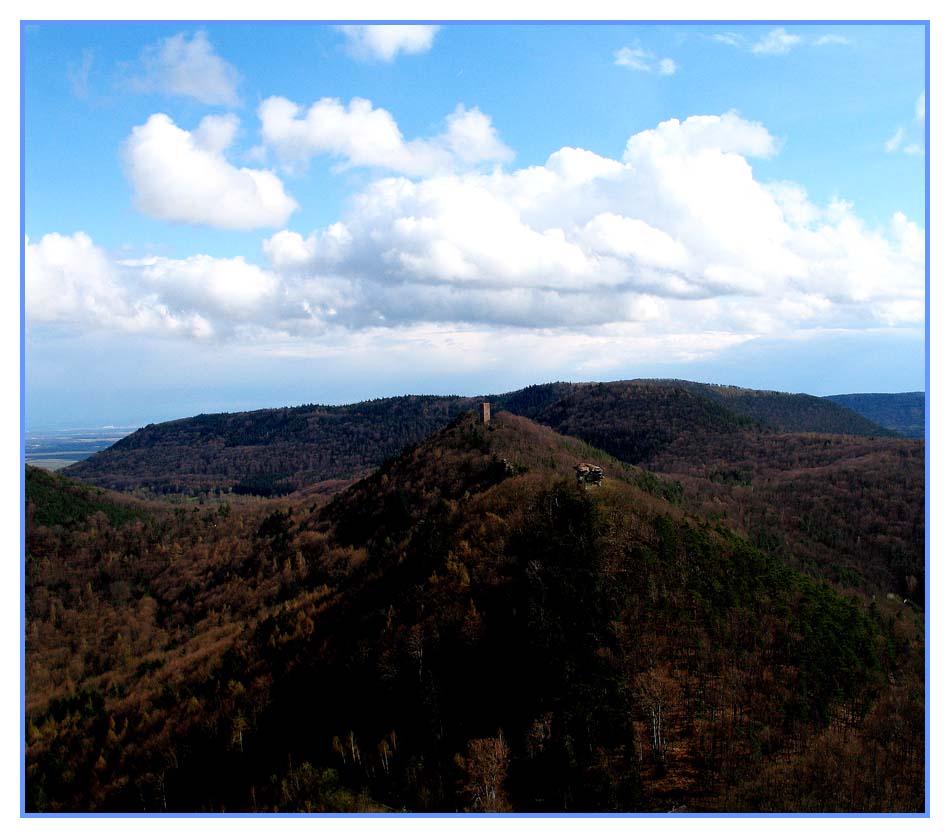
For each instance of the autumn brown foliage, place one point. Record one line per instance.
(467, 628)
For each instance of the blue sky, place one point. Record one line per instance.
(233, 216)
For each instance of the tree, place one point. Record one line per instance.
(484, 770)
(657, 693)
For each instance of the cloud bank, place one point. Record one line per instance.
(675, 249)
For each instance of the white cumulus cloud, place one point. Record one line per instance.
(383, 42)
(725, 134)
(221, 289)
(360, 135)
(179, 66)
(73, 283)
(472, 138)
(67, 274)
(182, 176)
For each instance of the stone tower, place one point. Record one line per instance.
(484, 413)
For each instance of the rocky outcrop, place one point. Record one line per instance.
(588, 474)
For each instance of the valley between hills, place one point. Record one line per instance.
(393, 606)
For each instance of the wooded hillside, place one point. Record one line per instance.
(275, 452)
(466, 629)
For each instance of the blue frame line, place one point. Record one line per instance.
(520, 22)
(22, 435)
(475, 22)
(927, 425)
(478, 815)
(513, 21)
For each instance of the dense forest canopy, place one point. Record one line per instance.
(470, 628)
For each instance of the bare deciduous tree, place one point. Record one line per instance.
(485, 767)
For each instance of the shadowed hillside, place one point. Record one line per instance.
(794, 412)
(904, 413)
(467, 628)
(636, 420)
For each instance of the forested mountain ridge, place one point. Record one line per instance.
(277, 451)
(847, 508)
(467, 628)
(266, 452)
(904, 413)
(791, 412)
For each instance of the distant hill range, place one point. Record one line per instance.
(278, 451)
(901, 412)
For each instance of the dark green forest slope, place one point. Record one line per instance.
(792, 412)
(466, 629)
